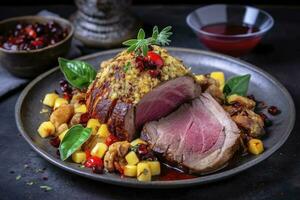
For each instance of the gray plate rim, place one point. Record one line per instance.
(128, 182)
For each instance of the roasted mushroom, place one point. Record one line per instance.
(114, 158)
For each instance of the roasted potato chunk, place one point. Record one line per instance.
(62, 115)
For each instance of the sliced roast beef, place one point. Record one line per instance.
(165, 98)
(125, 118)
(199, 135)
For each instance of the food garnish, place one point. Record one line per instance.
(141, 44)
(73, 139)
(78, 73)
(237, 85)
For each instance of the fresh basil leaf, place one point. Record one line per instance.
(78, 73)
(74, 138)
(237, 85)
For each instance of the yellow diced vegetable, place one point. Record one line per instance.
(143, 172)
(154, 167)
(200, 77)
(137, 141)
(59, 101)
(94, 124)
(46, 129)
(99, 150)
(130, 170)
(255, 146)
(62, 135)
(103, 131)
(132, 158)
(219, 76)
(79, 157)
(49, 99)
(80, 109)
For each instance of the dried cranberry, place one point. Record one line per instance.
(111, 139)
(93, 161)
(140, 63)
(273, 110)
(65, 87)
(156, 59)
(84, 118)
(154, 73)
(97, 169)
(55, 142)
(142, 149)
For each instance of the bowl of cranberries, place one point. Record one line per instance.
(30, 45)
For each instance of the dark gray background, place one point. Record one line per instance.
(276, 178)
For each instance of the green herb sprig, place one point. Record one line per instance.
(140, 45)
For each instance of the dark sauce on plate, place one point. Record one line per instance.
(169, 173)
(235, 46)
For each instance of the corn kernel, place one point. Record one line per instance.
(94, 124)
(59, 101)
(81, 109)
(219, 76)
(255, 146)
(143, 172)
(79, 157)
(103, 131)
(46, 129)
(130, 170)
(99, 150)
(137, 141)
(49, 99)
(132, 158)
(154, 167)
(62, 135)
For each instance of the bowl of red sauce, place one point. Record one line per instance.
(230, 29)
(30, 45)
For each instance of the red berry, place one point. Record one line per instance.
(84, 118)
(93, 161)
(142, 149)
(55, 142)
(156, 59)
(110, 140)
(154, 73)
(273, 110)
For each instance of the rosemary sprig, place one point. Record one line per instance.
(141, 43)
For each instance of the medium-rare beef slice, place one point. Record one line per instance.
(165, 98)
(199, 135)
(125, 119)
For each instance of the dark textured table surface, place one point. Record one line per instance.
(276, 178)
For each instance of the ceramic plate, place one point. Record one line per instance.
(263, 86)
